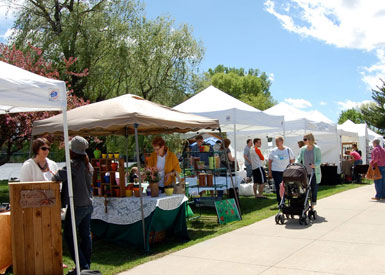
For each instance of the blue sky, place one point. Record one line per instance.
(321, 54)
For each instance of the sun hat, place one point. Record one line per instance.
(79, 145)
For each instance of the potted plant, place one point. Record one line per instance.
(152, 176)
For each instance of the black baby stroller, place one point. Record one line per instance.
(295, 193)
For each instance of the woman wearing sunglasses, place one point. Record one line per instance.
(310, 157)
(39, 167)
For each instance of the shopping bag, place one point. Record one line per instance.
(373, 172)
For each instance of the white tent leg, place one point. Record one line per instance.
(235, 148)
(70, 190)
(140, 185)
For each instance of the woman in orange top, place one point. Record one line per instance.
(165, 162)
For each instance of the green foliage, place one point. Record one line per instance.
(353, 114)
(123, 51)
(374, 113)
(251, 87)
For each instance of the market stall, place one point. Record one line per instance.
(127, 115)
(235, 117)
(23, 91)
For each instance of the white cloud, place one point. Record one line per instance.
(354, 24)
(348, 104)
(298, 103)
(7, 34)
(323, 103)
(271, 77)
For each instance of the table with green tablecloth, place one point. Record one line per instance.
(122, 221)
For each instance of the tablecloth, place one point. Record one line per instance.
(169, 214)
(5, 242)
(346, 167)
(126, 210)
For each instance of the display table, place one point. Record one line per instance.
(221, 183)
(5, 242)
(329, 175)
(122, 222)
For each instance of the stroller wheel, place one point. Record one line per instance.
(314, 214)
(306, 220)
(300, 221)
(277, 219)
(282, 219)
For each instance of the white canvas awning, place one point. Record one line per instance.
(23, 91)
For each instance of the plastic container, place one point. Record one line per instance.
(114, 166)
(107, 179)
(104, 156)
(169, 191)
(128, 193)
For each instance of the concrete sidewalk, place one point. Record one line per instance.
(347, 238)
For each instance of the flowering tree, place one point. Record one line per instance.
(15, 129)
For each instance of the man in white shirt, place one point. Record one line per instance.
(259, 174)
(279, 158)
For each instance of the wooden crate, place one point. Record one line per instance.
(36, 228)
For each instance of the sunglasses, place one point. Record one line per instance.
(45, 148)
(305, 139)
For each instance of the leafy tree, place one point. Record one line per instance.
(123, 51)
(374, 113)
(15, 128)
(353, 114)
(252, 87)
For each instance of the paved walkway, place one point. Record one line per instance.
(347, 238)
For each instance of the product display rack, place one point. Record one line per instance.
(104, 185)
(215, 170)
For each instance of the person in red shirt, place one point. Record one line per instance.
(356, 158)
(378, 157)
(257, 163)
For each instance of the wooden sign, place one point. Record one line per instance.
(227, 211)
(37, 198)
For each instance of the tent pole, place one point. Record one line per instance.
(30, 147)
(231, 175)
(140, 185)
(126, 134)
(70, 190)
(235, 147)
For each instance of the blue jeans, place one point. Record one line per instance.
(277, 176)
(356, 176)
(249, 170)
(314, 190)
(83, 227)
(380, 184)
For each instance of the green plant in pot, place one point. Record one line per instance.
(153, 177)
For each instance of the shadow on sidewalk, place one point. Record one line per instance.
(293, 224)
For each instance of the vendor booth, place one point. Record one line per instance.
(121, 218)
(31, 223)
(235, 116)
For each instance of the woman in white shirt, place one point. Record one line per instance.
(279, 158)
(39, 168)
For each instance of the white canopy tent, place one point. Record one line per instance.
(365, 137)
(235, 117)
(23, 91)
(299, 122)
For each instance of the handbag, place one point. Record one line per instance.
(373, 172)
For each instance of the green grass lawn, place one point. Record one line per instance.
(111, 258)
